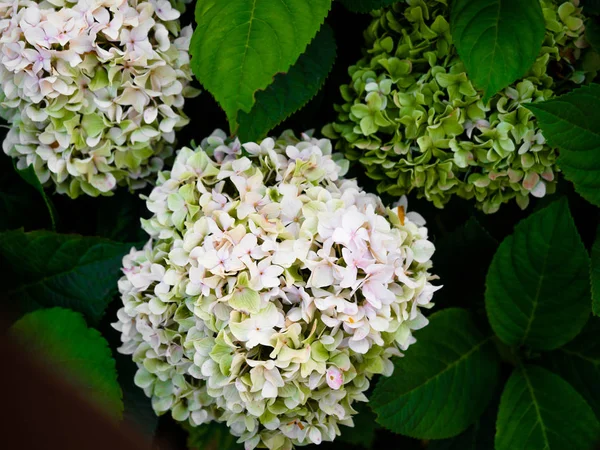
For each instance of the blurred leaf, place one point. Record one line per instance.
(571, 122)
(46, 269)
(31, 178)
(591, 6)
(238, 46)
(443, 383)
(292, 90)
(539, 410)
(592, 33)
(61, 337)
(498, 40)
(537, 271)
(578, 363)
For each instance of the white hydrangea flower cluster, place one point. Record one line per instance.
(93, 89)
(271, 291)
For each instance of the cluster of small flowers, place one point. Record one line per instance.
(414, 120)
(93, 89)
(271, 290)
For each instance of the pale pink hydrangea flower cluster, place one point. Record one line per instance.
(271, 291)
(93, 89)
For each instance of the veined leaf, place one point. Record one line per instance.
(49, 269)
(444, 381)
(61, 338)
(538, 289)
(238, 46)
(578, 363)
(540, 410)
(498, 40)
(571, 122)
(290, 91)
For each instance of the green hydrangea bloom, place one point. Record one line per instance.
(413, 119)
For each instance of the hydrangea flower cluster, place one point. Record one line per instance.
(93, 89)
(271, 290)
(415, 121)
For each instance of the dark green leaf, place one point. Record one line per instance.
(238, 46)
(31, 178)
(453, 261)
(444, 381)
(578, 363)
(48, 269)
(364, 6)
(537, 271)
(118, 217)
(211, 436)
(498, 40)
(571, 122)
(479, 436)
(363, 432)
(62, 339)
(595, 275)
(290, 91)
(540, 410)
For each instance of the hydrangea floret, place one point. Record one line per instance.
(414, 120)
(271, 291)
(93, 90)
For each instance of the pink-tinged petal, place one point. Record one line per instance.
(335, 378)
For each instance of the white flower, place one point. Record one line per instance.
(271, 290)
(122, 68)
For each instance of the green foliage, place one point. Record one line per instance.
(292, 90)
(571, 122)
(539, 410)
(238, 46)
(578, 363)
(538, 290)
(453, 371)
(62, 338)
(49, 269)
(592, 34)
(498, 40)
(28, 174)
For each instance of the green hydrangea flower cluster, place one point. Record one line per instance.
(413, 119)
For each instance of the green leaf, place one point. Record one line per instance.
(540, 410)
(538, 289)
(364, 6)
(453, 260)
(591, 6)
(118, 217)
(50, 269)
(498, 40)
(479, 436)
(209, 436)
(571, 122)
(30, 177)
(238, 46)
(444, 381)
(292, 90)
(363, 432)
(595, 275)
(62, 338)
(578, 363)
